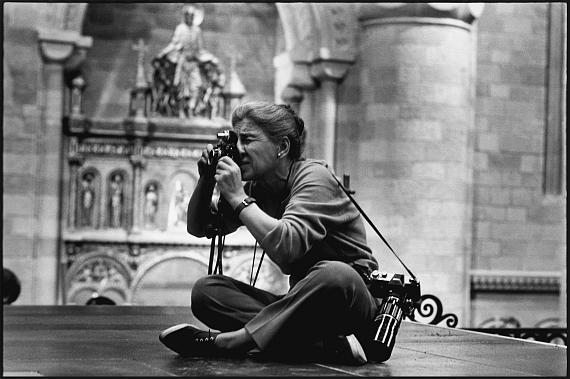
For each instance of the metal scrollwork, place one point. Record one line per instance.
(431, 308)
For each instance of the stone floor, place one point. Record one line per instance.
(123, 341)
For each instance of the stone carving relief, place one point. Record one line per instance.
(187, 79)
(181, 188)
(97, 274)
(154, 151)
(87, 200)
(117, 200)
(150, 208)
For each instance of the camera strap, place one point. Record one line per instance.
(371, 224)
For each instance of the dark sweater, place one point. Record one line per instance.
(317, 221)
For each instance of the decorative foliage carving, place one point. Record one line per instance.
(497, 281)
(115, 149)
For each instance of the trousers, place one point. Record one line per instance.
(331, 300)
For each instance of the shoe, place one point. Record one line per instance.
(188, 340)
(345, 350)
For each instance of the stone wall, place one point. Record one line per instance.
(21, 242)
(517, 227)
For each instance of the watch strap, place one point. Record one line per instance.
(244, 203)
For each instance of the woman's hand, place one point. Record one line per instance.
(205, 167)
(228, 177)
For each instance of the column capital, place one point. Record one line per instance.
(330, 69)
(466, 12)
(63, 46)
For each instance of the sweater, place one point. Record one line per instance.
(316, 222)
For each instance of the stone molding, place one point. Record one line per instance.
(515, 281)
(63, 46)
(317, 37)
(465, 12)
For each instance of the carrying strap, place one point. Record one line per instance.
(371, 224)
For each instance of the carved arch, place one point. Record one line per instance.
(97, 273)
(195, 258)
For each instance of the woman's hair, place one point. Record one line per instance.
(276, 121)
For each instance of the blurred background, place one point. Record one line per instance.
(447, 117)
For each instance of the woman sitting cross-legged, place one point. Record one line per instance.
(305, 223)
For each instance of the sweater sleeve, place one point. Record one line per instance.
(316, 205)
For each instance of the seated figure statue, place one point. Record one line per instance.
(183, 71)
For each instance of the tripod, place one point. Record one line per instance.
(214, 231)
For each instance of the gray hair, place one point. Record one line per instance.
(276, 121)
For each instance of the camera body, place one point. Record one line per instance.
(399, 296)
(226, 147)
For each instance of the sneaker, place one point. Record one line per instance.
(188, 340)
(345, 350)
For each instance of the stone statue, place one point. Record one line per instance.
(186, 78)
(178, 205)
(87, 201)
(150, 206)
(116, 201)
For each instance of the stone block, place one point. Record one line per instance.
(480, 161)
(531, 180)
(487, 142)
(482, 195)
(546, 214)
(530, 163)
(20, 204)
(506, 263)
(21, 227)
(482, 229)
(16, 246)
(521, 196)
(500, 196)
(489, 178)
(487, 248)
(504, 161)
(511, 179)
(395, 170)
(432, 170)
(512, 231)
(17, 184)
(489, 213)
(516, 214)
(501, 91)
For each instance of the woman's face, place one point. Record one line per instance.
(258, 152)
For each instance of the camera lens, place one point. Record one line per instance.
(387, 324)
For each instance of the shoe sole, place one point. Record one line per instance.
(171, 330)
(356, 349)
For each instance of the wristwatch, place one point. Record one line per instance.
(244, 203)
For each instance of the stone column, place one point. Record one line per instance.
(58, 48)
(75, 161)
(323, 124)
(415, 162)
(138, 162)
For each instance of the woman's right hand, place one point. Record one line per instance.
(205, 167)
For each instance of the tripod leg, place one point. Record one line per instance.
(212, 249)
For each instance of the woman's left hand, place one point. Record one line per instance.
(228, 177)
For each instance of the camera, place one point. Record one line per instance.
(226, 147)
(399, 297)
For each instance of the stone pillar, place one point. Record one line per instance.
(58, 49)
(323, 124)
(415, 164)
(75, 161)
(138, 162)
